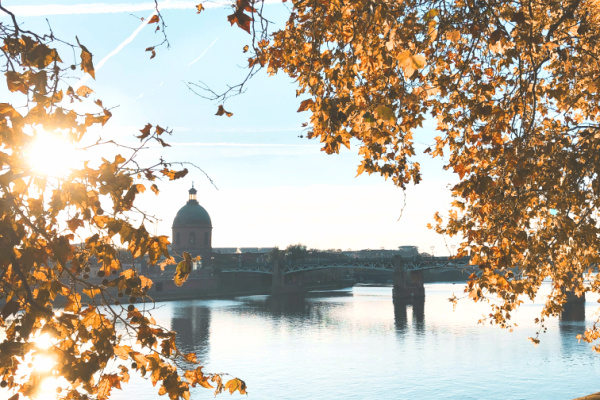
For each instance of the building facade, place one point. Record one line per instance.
(192, 228)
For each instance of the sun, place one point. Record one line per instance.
(50, 154)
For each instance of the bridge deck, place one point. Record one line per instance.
(412, 265)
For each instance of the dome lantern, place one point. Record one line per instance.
(192, 193)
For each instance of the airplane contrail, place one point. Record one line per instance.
(118, 49)
(97, 8)
(203, 53)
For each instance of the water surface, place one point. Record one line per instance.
(355, 344)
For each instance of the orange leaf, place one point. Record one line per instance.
(242, 20)
(84, 91)
(221, 111)
(305, 105)
(86, 60)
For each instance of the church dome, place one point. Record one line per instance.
(192, 214)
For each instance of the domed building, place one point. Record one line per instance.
(192, 228)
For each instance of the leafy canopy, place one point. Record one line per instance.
(61, 330)
(514, 87)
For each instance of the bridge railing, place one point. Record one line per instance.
(239, 264)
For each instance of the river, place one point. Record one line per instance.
(355, 344)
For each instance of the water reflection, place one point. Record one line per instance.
(364, 346)
(292, 306)
(289, 306)
(573, 311)
(192, 324)
(295, 306)
(401, 314)
(572, 323)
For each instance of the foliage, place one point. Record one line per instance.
(93, 342)
(514, 87)
(295, 252)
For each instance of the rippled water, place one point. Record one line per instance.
(356, 344)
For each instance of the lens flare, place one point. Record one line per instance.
(44, 341)
(43, 363)
(51, 155)
(47, 389)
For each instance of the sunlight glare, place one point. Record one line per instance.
(43, 363)
(44, 341)
(47, 389)
(51, 155)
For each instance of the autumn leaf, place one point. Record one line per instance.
(91, 292)
(106, 384)
(74, 223)
(199, 8)
(454, 35)
(305, 105)
(221, 111)
(145, 132)
(86, 60)
(152, 52)
(154, 20)
(410, 63)
(73, 303)
(241, 19)
(10, 308)
(183, 270)
(15, 82)
(122, 352)
(236, 384)
(84, 91)
(6, 110)
(385, 113)
(191, 357)
(40, 56)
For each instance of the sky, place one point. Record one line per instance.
(271, 187)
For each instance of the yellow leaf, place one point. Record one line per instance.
(84, 91)
(73, 303)
(385, 113)
(236, 384)
(454, 36)
(183, 269)
(410, 63)
(92, 292)
(122, 352)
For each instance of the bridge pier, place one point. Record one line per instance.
(408, 285)
(279, 286)
(574, 308)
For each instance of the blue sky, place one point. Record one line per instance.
(274, 188)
